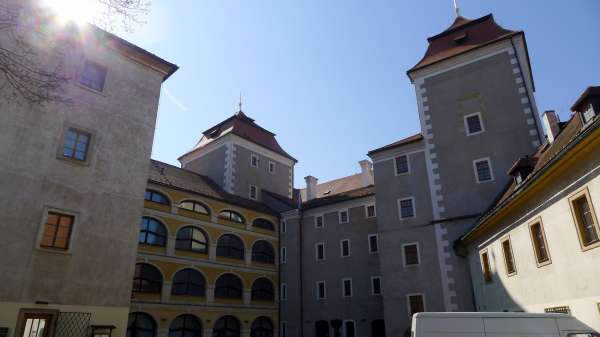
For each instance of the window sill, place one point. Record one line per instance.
(401, 174)
(94, 91)
(54, 250)
(412, 266)
(75, 162)
(543, 264)
(591, 246)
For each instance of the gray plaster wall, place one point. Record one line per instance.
(211, 164)
(290, 274)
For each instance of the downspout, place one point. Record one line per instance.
(279, 275)
(300, 235)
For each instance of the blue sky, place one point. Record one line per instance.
(329, 77)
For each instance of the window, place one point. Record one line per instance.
(147, 279)
(262, 290)
(261, 327)
(194, 206)
(157, 197)
(509, 260)
(140, 324)
(253, 193)
(231, 216)
(401, 165)
(34, 323)
(483, 170)
(152, 232)
(321, 329)
(588, 114)
(76, 144)
(283, 295)
(253, 160)
(188, 282)
(263, 251)
(263, 224)
(416, 303)
(93, 75)
(230, 246)
(319, 222)
(473, 124)
(283, 226)
(57, 231)
(373, 243)
(345, 248)
(347, 287)
(271, 166)
(376, 285)
(283, 254)
(406, 207)
(558, 310)
(540, 246)
(227, 326)
(370, 211)
(192, 239)
(228, 286)
(485, 266)
(185, 325)
(411, 254)
(349, 329)
(585, 219)
(321, 291)
(320, 251)
(344, 216)
(283, 329)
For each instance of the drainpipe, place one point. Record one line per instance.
(300, 235)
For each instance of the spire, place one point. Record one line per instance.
(240, 103)
(456, 9)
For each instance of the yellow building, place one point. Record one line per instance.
(207, 261)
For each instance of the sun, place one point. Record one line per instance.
(77, 11)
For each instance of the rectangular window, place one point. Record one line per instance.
(411, 254)
(253, 160)
(585, 219)
(509, 260)
(558, 310)
(36, 325)
(416, 303)
(283, 329)
(483, 170)
(376, 285)
(345, 248)
(283, 257)
(320, 251)
(406, 208)
(349, 329)
(271, 167)
(373, 243)
(283, 294)
(283, 226)
(57, 231)
(473, 124)
(344, 217)
(93, 76)
(319, 223)
(370, 211)
(588, 114)
(347, 287)
(75, 144)
(321, 290)
(540, 246)
(253, 192)
(485, 266)
(401, 165)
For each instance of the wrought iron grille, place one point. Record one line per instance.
(72, 324)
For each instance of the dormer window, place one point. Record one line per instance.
(460, 38)
(522, 168)
(213, 133)
(588, 114)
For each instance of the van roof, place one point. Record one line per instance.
(489, 314)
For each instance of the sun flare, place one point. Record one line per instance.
(77, 11)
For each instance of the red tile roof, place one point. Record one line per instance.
(411, 139)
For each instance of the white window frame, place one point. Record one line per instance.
(347, 215)
(317, 251)
(283, 226)
(367, 210)
(252, 156)
(371, 251)
(467, 131)
(396, 165)
(272, 164)
(344, 332)
(489, 161)
(373, 286)
(255, 192)
(344, 285)
(322, 221)
(283, 292)
(324, 291)
(283, 329)
(404, 255)
(283, 255)
(342, 248)
(400, 208)
(408, 302)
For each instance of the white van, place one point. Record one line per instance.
(497, 324)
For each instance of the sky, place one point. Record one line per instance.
(329, 77)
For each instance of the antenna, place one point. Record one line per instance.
(456, 9)
(240, 103)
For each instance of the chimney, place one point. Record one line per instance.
(366, 172)
(311, 187)
(550, 120)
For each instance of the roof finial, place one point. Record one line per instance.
(240, 103)
(456, 9)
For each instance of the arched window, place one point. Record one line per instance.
(262, 290)
(378, 328)
(321, 329)
(228, 286)
(152, 232)
(230, 246)
(140, 324)
(264, 224)
(262, 327)
(226, 326)
(232, 216)
(147, 279)
(263, 251)
(194, 206)
(188, 282)
(157, 197)
(191, 238)
(185, 326)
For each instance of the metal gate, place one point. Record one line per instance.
(72, 324)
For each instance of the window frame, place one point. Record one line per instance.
(188, 281)
(467, 130)
(89, 149)
(148, 232)
(512, 256)
(251, 188)
(141, 279)
(408, 296)
(319, 297)
(584, 193)
(230, 211)
(489, 161)
(229, 248)
(260, 224)
(404, 245)
(532, 223)
(376, 236)
(191, 240)
(267, 259)
(485, 272)
(252, 156)
(273, 165)
(396, 165)
(322, 217)
(194, 204)
(373, 293)
(283, 292)
(78, 132)
(317, 245)
(414, 208)
(347, 211)
(253, 291)
(344, 280)
(54, 246)
(283, 226)
(155, 191)
(283, 329)
(82, 72)
(228, 296)
(367, 210)
(344, 327)
(283, 255)
(342, 248)
(42, 228)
